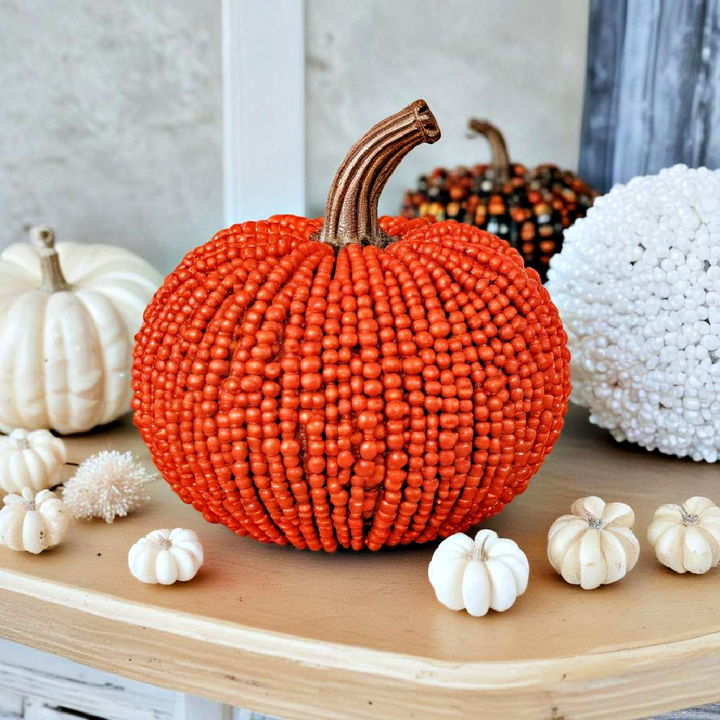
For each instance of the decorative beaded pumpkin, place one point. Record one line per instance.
(638, 286)
(348, 381)
(528, 208)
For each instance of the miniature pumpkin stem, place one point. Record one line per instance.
(500, 159)
(43, 239)
(28, 497)
(351, 212)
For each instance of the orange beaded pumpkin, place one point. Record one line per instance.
(349, 382)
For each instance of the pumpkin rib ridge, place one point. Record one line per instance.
(308, 535)
(103, 404)
(11, 376)
(290, 394)
(393, 291)
(262, 521)
(432, 418)
(452, 491)
(231, 494)
(401, 320)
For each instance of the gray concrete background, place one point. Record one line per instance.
(110, 128)
(520, 63)
(111, 122)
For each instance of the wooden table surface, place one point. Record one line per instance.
(360, 635)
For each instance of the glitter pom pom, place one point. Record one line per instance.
(638, 288)
(107, 485)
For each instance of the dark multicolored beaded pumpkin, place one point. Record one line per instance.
(529, 209)
(348, 381)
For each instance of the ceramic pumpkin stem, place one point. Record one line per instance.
(351, 212)
(500, 157)
(53, 280)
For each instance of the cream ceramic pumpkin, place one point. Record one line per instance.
(32, 459)
(68, 314)
(31, 522)
(166, 556)
(477, 575)
(595, 544)
(686, 538)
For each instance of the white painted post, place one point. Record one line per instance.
(263, 108)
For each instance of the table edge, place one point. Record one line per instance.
(479, 676)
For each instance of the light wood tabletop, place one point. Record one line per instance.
(360, 635)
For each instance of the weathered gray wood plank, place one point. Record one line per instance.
(705, 712)
(652, 84)
(606, 33)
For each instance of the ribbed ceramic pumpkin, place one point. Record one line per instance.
(349, 382)
(68, 315)
(528, 208)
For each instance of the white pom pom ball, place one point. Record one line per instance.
(638, 288)
(107, 485)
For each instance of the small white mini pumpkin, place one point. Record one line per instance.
(32, 459)
(686, 538)
(594, 545)
(68, 314)
(166, 556)
(31, 522)
(489, 572)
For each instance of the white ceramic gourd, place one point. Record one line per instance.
(32, 459)
(68, 314)
(477, 575)
(33, 522)
(166, 556)
(595, 544)
(686, 538)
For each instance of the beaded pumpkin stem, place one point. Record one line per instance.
(500, 158)
(351, 212)
(43, 240)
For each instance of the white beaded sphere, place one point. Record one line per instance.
(637, 285)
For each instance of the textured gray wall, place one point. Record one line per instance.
(111, 124)
(110, 127)
(653, 88)
(520, 63)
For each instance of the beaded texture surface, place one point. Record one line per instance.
(530, 210)
(368, 398)
(638, 287)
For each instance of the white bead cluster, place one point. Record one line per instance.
(638, 288)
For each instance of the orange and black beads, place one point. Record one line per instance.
(530, 209)
(359, 399)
